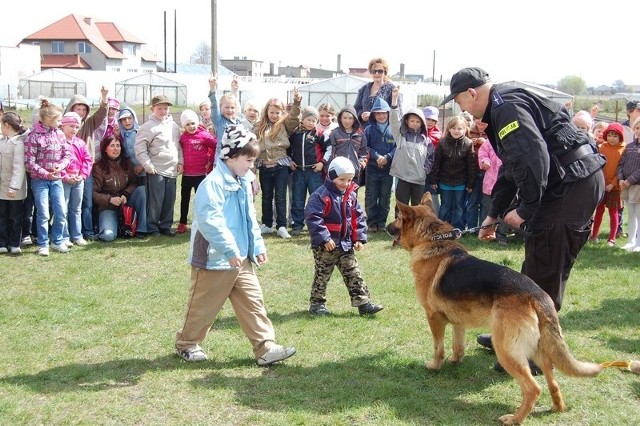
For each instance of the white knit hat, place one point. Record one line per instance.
(235, 137)
(189, 116)
(340, 166)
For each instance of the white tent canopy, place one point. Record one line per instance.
(51, 84)
(139, 90)
(555, 95)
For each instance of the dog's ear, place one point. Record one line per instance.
(405, 212)
(427, 201)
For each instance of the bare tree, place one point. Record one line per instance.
(202, 54)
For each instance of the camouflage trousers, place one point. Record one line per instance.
(347, 264)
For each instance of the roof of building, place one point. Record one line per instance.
(113, 33)
(64, 61)
(78, 28)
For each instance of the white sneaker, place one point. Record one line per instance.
(264, 229)
(275, 354)
(194, 354)
(15, 251)
(629, 246)
(26, 241)
(80, 242)
(636, 249)
(68, 243)
(43, 251)
(4, 250)
(62, 248)
(283, 233)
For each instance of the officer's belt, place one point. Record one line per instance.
(576, 154)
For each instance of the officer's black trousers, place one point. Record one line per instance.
(560, 228)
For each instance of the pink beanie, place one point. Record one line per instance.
(71, 119)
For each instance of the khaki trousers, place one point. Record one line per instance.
(209, 291)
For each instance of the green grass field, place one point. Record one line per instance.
(87, 338)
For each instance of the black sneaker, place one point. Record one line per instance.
(535, 370)
(168, 232)
(319, 309)
(485, 340)
(369, 308)
(296, 232)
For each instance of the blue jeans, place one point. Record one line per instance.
(302, 181)
(49, 193)
(108, 219)
(273, 181)
(451, 207)
(377, 196)
(73, 194)
(435, 197)
(473, 203)
(87, 208)
(162, 197)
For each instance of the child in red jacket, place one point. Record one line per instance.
(196, 142)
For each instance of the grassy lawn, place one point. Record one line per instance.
(87, 338)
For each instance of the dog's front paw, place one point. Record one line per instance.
(434, 364)
(508, 419)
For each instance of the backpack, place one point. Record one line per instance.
(127, 221)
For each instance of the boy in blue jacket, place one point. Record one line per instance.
(225, 242)
(382, 147)
(337, 227)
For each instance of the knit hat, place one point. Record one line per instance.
(71, 119)
(340, 166)
(189, 116)
(583, 118)
(206, 102)
(234, 139)
(251, 104)
(430, 113)
(309, 111)
(380, 105)
(616, 128)
(113, 103)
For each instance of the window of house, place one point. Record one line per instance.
(130, 49)
(84, 47)
(57, 47)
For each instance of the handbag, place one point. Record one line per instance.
(127, 221)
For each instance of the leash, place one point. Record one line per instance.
(633, 366)
(456, 233)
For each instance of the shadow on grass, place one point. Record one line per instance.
(611, 314)
(159, 240)
(230, 321)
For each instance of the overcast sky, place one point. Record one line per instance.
(540, 41)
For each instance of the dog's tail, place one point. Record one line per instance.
(553, 346)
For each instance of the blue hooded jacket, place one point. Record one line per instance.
(129, 136)
(380, 137)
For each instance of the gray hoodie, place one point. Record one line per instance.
(413, 158)
(89, 123)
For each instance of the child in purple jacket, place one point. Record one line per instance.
(337, 227)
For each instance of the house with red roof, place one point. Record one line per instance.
(79, 42)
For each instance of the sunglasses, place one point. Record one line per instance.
(377, 71)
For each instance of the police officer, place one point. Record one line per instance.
(554, 169)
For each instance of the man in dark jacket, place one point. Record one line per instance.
(554, 168)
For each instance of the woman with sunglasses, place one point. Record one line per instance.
(380, 87)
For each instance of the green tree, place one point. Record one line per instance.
(573, 85)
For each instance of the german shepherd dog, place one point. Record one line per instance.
(459, 289)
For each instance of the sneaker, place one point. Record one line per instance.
(611, 243)
(636, 249)
(275, 354)
(68, 243)
(296, 232)
(168, 232)
(26, 241)
(92, 237)
(4, 250)
(283, 233)
(264, 229)
(16, 251)
(319, 309)
(43, 251)
(369, 308)
(181, 229)
(62, 248)
(194, 354)
(372, 228)
(80, 242)
(485, 340)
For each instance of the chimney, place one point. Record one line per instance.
(339, 64)
(88, 20)
(272, 68)
(402, 71)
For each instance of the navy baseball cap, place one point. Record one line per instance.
(631, 105)
(465, 79)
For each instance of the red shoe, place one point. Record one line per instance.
(181, 229)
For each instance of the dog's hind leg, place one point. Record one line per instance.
(437, 324)
(552, 384)
(518, 368)
(458, 343)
